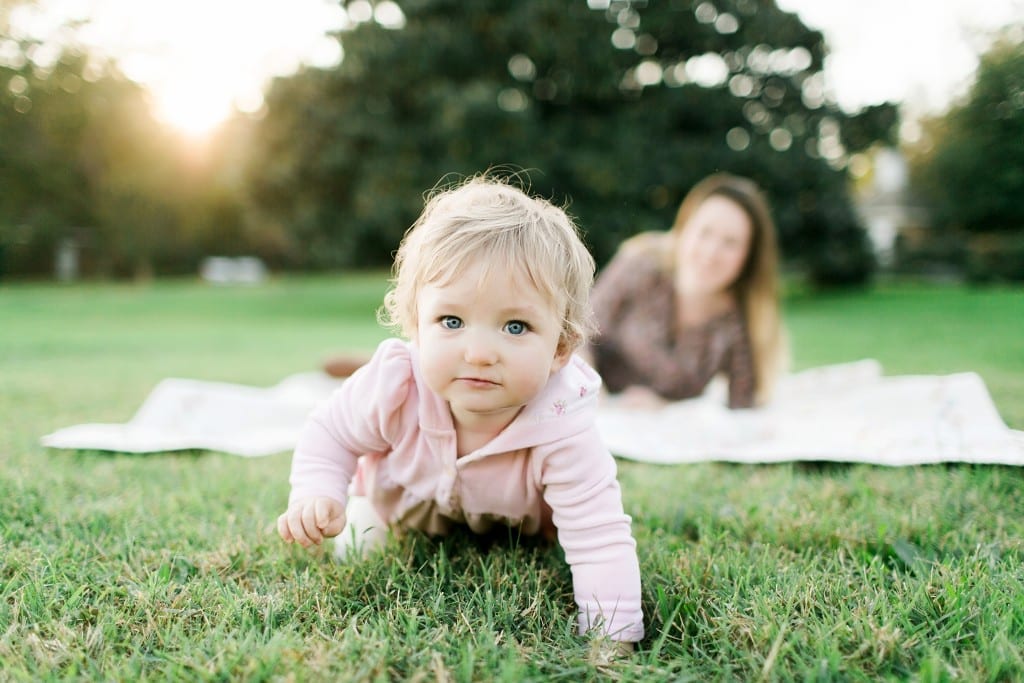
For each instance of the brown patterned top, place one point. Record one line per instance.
(641, 343)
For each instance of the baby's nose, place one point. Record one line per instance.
(479, 350)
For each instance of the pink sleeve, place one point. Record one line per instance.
(580, 486)
(362, 416)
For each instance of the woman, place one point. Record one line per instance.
(677, 308)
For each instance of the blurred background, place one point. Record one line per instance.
(231, 139)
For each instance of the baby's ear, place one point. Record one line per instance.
(563, 352)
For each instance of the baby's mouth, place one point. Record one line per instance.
(478, 381)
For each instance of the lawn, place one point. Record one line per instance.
(120, 567)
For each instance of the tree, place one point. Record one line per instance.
(81, 157)
(970, 167)
(45, 193)
(618, 111)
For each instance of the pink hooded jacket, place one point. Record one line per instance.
(385, 432)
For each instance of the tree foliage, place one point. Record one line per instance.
(616, 111)
(971, 167)
(82, 158)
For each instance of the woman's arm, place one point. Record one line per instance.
(739, 366)
(614, 289)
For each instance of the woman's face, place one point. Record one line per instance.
(712, 247)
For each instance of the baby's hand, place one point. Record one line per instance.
(308, 522)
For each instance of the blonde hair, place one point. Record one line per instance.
(485, 220)
(756, 288)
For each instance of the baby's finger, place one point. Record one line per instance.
(323, 513)
(330, 517)
(295, 528)
(313, 532)
(326, 514)
(282, 527)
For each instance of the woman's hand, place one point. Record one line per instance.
(308, 522)
(638, 397)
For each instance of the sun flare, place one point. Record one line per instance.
(200, 61)
(189, 112)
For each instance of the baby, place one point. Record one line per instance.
(485, 416)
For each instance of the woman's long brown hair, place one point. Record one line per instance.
(757, 287)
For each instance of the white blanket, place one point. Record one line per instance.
(845, 413)
(182, 414)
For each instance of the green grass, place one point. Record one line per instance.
(167, 567)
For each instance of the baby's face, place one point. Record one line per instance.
(487, 345)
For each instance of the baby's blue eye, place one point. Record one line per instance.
(450, 322)
(516, 327)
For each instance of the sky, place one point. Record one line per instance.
(921, 52)
(201, 58)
